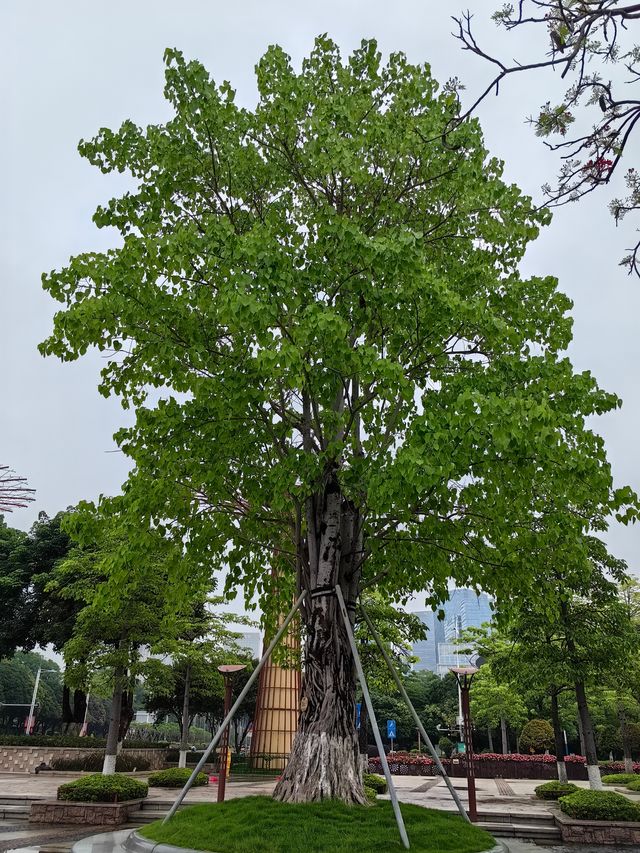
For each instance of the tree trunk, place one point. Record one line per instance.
(111, 751)
(184, 724)
(324, 761)
(624, 734)
(558, 737)
(490, 736)
(593, 769)
(505, 739)
(583, 748)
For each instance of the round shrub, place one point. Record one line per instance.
(370, 794)
(599, 805)
(378, 783)
(93, 763)
(446, 745)
(620, 778)
(103, 789)
(175, 777)
(554, 790)
(536, 736)
(634, 785)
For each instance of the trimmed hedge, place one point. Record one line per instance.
(94, 760)
(175, 777)
(619, 778)
(599, 805)
(634, 785)
(103, 789)
(71, 741)
(75, 742)
(554, 790)
(378, 783)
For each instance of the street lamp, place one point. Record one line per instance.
(228, 672)
(34, 695)
(464, 677)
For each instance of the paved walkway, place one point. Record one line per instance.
(513, 797)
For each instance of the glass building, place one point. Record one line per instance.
(438, 651)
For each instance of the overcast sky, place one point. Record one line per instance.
(68, 68)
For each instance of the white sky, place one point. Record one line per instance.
(69, 68)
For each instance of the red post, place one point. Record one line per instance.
(224, 749)
(468, 750)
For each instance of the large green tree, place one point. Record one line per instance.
(355, 385)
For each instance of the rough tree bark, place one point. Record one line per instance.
(624, 734)
(490, 737)
(184, 724)
(324, 761)
(593, 769)
(558, 736)
(111, 751)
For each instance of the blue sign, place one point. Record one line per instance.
(391, 729)
(358, 712)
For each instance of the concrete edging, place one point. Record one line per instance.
(137, 844)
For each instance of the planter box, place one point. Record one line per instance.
(24, 759)
(598, 832)
(87, 814)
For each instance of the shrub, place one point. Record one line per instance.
(620, 778)
(554, 790)
(94, 761)
(536, 736)
(599, 805)
(175, 777)
(71, 741)
(378, 783)
(634, 785)
(370, 794)
(103, 789)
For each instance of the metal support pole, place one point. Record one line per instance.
(33, 701)
(416, 718)
(265, 657)
(372, 717)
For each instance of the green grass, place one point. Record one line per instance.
(261, 825)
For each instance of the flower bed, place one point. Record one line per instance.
(493, 765)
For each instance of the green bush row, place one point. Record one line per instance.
(599, 805)
(93, 762)
(103, 789)
(175, 777)
(73, 742)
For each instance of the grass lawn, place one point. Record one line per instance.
(261, 825)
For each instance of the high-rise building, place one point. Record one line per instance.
(438, 652)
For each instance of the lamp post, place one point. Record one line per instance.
(464, 677)
(34, 696)
(228, 671)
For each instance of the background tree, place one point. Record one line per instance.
(355, 378)
(496, 705)
(584, 41)
(122, 610)
(190, 681)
